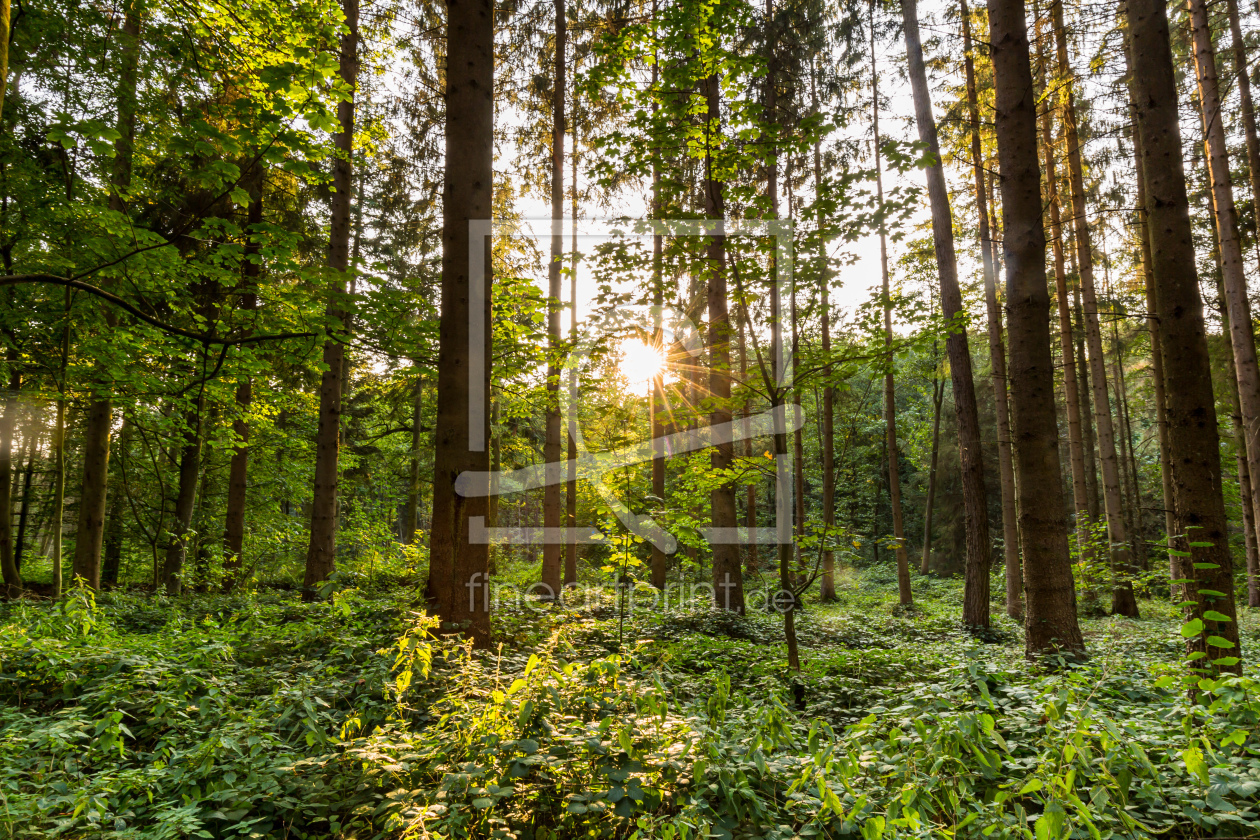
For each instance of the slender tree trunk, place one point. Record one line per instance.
(904, 594)
(112, 549)
(24, 507)
(660, 561)
(410, 522)
(100, 413)
(570, 493)
(1245, 486)
(5, 37)
(938, 397)
(1123, 601)
(321, 554)
(1137, 530)
(1083, 389)
(1157, 355)
(728, 578)
(552, 565)
(1071, 391)
(1191, 407)
(1238, 307)
(997, 352)
(827, 588)
(185, 501)
(238, 470)
(1050, 597)
(975, 503)
(1246, 106)
(750, 494)
(8, 422)
(782, 479)
(457, 566)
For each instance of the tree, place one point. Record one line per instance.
(1123, 601)
(1050, 599)
(321, 553)
(1191, 408)
(997, 352)
(457, 565)
(976, 595)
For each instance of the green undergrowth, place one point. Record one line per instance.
(262, 717)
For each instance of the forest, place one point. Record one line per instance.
(634, 419)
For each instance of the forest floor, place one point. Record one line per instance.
(130, 716)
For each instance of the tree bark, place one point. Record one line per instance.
(1153, 329)
(185, 501)
(570, 492)
(997, 352)
(904, 594)
(1246, 106)
(321, 553)
(1071, 390)
(827, 587)
(113, 542)
(1123, 601)
(938, 397)
(24, 506)
(8, 422)
(100, 414)
(457, 566)
(728, 576)
(1050, 598)
(552, 564)
(975, 502)
(410, 521)
(1245, 486)
(1191, 408)
(238, 470)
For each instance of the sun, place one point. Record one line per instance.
(640, 362)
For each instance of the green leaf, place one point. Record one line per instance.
(1031, 786)
(1213, 615)
(1192, 628)
(1193, 758)
(1220, 642)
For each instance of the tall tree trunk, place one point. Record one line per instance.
(1050, 598)
(1246, 106)
(777, 395)
(975, 502)
(904, 594)
(1191, 408)
(1245, 486)
(1153, 329)
(997, 352)
(100, 413)
(750, 492)
(827, 588)
(570, 492)
(660, 561)
(24, 506)
(321, 553)
(728, 576)
(1083, 389)
(8, 422)
(238, 470)
(1238, 307)
(1123, 601)
(552, 564)
(410, 521)
(1137, 529)
(1071, 391)
(5, 37)
(457, 566)
(185, 501)
(938, 397)
(112, 549)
